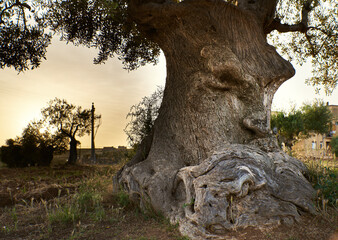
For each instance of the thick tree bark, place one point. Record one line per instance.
(221, 78)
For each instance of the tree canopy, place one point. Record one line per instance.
(287, 126)
(301, 29)
(23, 40)
(317, 117)
(313, 37)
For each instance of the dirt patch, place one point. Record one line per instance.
(308, 228)
(26, 195)
(27, 184)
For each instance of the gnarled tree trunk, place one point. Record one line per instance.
(211, 163)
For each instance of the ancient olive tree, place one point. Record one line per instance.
(211, 149)
(69, 121)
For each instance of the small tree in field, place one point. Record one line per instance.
(69, 121)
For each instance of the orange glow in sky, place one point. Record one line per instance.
(69, 73)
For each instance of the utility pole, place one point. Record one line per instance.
(93, 157)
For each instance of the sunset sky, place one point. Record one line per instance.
(69, 73)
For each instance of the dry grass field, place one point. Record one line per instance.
(77, 202)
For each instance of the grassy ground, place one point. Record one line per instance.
(76, 202)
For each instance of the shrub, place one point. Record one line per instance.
(17, 155)
(12, 156)
(334, 146)
(84, 203)
(324, 180)
(64, 214)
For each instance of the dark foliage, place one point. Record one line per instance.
(33, 148)
(334, 145)
(23, 41)
(22, 49)
(142, 117)
(104, 25)
(27, 154)
(109, 26)
(13, 156)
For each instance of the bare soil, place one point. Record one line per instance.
(26, 195)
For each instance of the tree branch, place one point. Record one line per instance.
(328, 34)
(277, 25)
(24, 16)
(63, 131)
(66, 133)
(71, 128)
(302, 26)
(17, 3)
(76, 128)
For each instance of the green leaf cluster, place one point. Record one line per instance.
(334, 145)
(287, 126)
(104, 25)
(23, 40)
(324, 180)
(318, 44)
(317, 117)
(142, 117)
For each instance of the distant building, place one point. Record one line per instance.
(108, 149)
(113, 149)
(318, 145)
